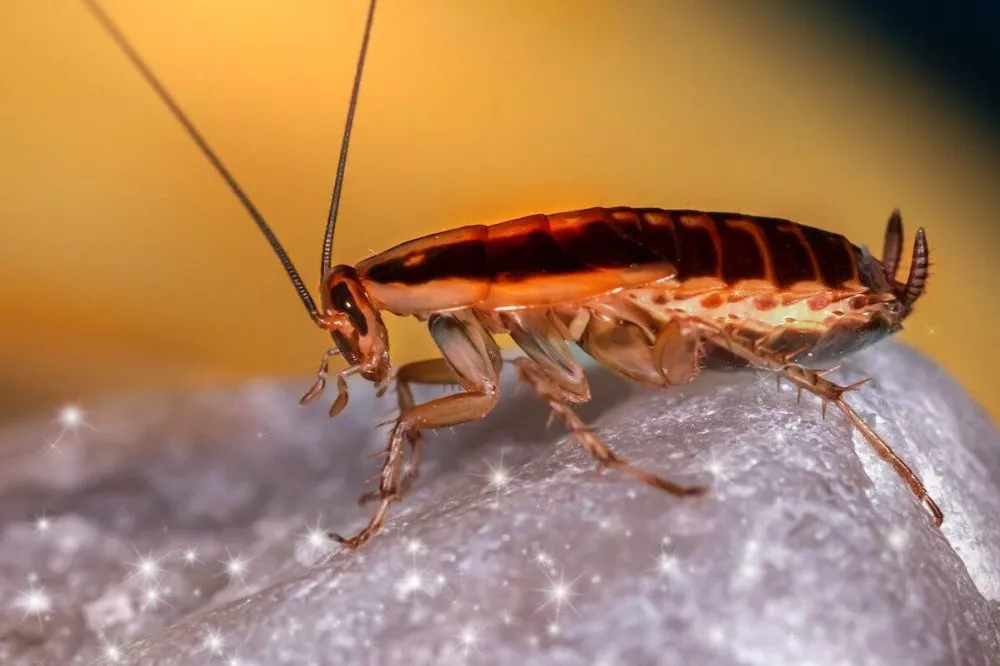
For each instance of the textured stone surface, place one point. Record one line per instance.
(809, 550)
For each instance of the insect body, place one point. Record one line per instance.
(653, 295)
(650, 294)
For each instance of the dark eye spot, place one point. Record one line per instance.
(342, 299)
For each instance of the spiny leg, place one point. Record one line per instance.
(558, 398)
(557, 377)
(814, 382)
(474, 359)
(432, 371)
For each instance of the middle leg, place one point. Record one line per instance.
(558, 398)
(557, 378)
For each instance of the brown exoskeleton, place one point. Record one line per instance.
(653, 295)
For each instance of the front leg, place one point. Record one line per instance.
(320, 384)
(432, 371)
(474, 359)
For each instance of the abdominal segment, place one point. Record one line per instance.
(632, 332)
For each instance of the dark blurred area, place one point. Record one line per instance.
(957, 43)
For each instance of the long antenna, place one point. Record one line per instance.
(136, 59)
(338, 183)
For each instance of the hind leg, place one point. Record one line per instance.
(814, 382)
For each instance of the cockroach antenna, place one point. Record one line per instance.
(133, 55)
(338, 182)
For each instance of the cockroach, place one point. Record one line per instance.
(652, 295)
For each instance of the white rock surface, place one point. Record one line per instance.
(176, 531)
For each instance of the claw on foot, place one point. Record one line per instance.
(935, 510)
(346, 544)
(367, 497)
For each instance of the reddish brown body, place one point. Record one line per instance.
(653, 295)
(808, 289)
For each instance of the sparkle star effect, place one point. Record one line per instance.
(213, 642)
(52, 445)
(42, 523)
(498, 479)
(34, 601)
(558, 594)
(468, 636)
(414, 546)
(190, 556)
(153, 597)
(236, 567)
(316, 542)
(667, 565)
(721, 467)
(419, 578)
(70, 416)
(415, 579)
(71, 419)
(112, 651)
(544, 560)
(147, 568)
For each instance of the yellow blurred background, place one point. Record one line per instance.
(127, 265)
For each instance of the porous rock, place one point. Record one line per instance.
(186, 530)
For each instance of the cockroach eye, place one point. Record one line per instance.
(342, 299)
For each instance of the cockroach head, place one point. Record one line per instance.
(355, 324)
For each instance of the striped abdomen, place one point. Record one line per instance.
(566, 257)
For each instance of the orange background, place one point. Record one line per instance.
(126, 264)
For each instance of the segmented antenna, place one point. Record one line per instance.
(331, 219)
(193, 132)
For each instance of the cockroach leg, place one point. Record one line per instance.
(317, 388)
(827, 391)
(622, 348)
(473, 358)
(676, 352)
(558, 398)
(320, 384)
(814, 382)
(433, 371)
(337, 406)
